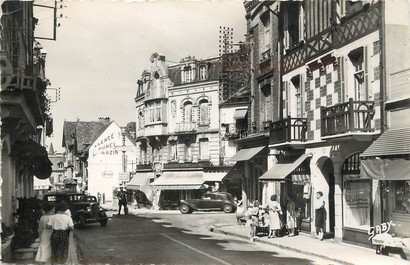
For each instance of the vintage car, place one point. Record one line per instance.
(212, 201)
(84, 210)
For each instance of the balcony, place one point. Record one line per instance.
(186, 127)
(288, 130)
(144, 166)
(349, 117)
(185, 164)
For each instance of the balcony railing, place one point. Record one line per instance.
(288, 130)
(352, 116)
(186, 164)
(186, 127)
(144, 165)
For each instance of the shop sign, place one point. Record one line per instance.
(124, 176)
(379, 229)
(107, 174)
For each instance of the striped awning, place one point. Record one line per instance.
(300, 178)
(391, 142)
(284, 167)
(179, 180)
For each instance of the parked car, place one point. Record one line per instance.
(84, 209)
(212, 201)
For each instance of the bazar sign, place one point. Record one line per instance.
(378, 229)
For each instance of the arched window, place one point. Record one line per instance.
(188, 112)
(204, 112)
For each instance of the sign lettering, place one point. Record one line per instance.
(379, 229)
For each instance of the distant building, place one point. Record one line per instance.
(178, 129)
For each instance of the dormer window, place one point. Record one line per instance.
(203, 73)
(187, 75)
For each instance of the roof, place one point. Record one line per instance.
(80, 134)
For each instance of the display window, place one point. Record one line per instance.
(357, 203)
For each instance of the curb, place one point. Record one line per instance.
(221, 231)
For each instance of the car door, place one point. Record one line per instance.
(206, 201)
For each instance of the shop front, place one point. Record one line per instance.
(173, 186)
(289, 178)
(387, 162)
(357, 202)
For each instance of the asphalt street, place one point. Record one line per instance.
(175, 239)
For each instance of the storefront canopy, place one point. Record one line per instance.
(246, 153)
(179, 180)
(386, 168)
(236, 172)
(283, 167)
(388, 158)
(140, 179)
(391, 142)
(33, 156)
(240, 114)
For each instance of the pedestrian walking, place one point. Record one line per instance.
(44, 249)
(274, 216)
(251, 216)
(320, 215)
(61, 224)
(122, 201)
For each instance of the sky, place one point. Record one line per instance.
(103, 46)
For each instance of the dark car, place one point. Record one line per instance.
(220, 201)
(84, 210)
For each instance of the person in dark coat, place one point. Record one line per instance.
(122, 201)
(320, 214)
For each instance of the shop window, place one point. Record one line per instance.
(402, 196)
(356, 212)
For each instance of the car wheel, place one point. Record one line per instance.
(81, 221)
(228, 208)
(185, 209)
(104, 222)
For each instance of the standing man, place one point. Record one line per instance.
(122, 201)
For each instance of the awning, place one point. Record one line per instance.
(213, 176)
(236, 172)
(385, 168)
(179, 180)
(33, 156)
(246, 153)
(283, 167)
(140, 179)
(240, 114)
(391, 142)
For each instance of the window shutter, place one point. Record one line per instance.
(366, 70)
(301, 23)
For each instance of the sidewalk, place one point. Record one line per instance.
(327, 249)
(343, 253)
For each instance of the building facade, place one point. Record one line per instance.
(111, 157)
(335, 60)
(25, 117)
(177, 129)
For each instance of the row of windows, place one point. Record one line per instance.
(176, 154)
(189, 74)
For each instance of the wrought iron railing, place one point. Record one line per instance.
(351, 116)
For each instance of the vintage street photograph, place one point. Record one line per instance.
(205, 132)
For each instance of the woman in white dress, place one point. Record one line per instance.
(274, 218)
(44, 248)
